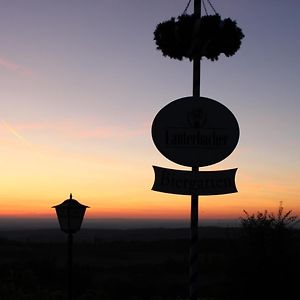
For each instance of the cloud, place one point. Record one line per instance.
(14, 136)
(58, 134)
(14, 67)
(79, 129)
(108, 133)
(14, 132)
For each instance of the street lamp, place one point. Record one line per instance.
(70, 214)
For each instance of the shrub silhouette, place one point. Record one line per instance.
(268, 221)
(265, 232)
(267, 256)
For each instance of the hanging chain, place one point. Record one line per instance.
(212, 7)
(204, 6)
(187, 6)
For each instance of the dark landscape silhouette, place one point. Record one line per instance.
(258, 260)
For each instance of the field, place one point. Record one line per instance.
(145, 264)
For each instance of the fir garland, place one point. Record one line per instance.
(191, 37)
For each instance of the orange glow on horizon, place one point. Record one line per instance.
(37, 177)
(213, 207)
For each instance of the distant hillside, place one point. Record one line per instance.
(9, 223)
(94, 235)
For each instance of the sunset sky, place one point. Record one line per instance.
(81, 81)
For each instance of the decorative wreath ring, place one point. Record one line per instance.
(192, 37)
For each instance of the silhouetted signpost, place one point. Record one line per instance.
(194, 183)
(196, 131)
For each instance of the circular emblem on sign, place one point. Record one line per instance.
(195, 131)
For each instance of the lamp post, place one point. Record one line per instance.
(70, 214)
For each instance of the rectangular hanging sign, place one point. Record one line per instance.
(194, 183)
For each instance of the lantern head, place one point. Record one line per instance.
(70, 214)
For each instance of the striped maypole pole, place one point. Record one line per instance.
(193, 260)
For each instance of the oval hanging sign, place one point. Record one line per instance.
(195, 131)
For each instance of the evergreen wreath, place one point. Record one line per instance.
(192, 37)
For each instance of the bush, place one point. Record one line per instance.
(267, 255)
(265, 230)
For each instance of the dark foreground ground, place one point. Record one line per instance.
(146, 264)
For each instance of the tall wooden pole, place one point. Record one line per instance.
(194, 262)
